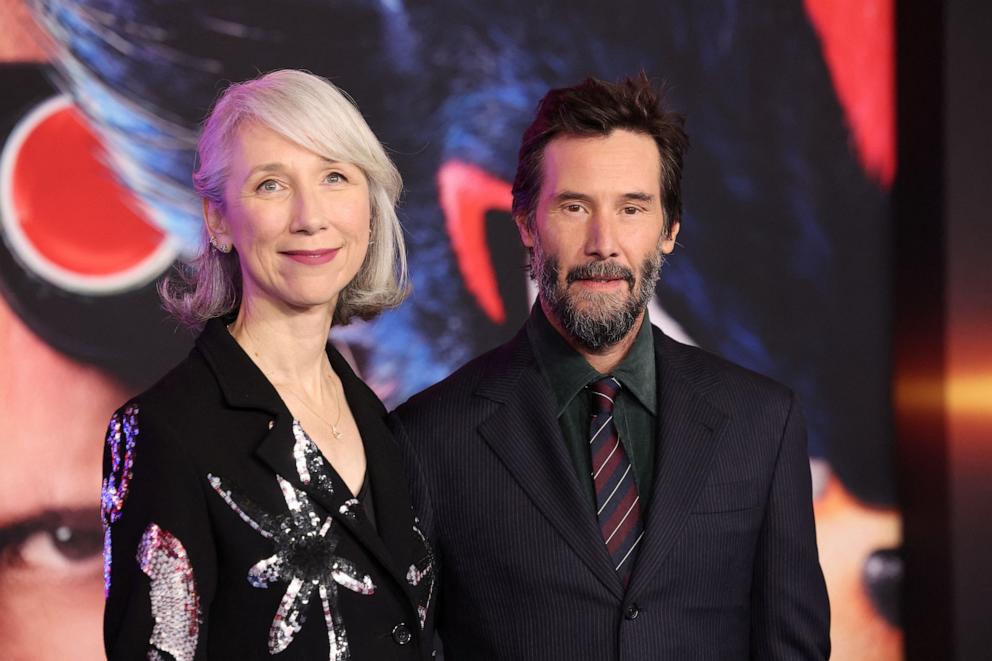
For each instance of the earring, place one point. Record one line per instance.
(219, 247)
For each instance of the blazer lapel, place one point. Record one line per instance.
(394, 542)
(245, 387)
(688, 437)
(524, 433)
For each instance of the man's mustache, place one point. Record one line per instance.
(601, 270)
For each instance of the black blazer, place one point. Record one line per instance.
(230, 537)
(728, 568)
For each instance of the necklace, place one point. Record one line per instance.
(337, 402)
(333, 425)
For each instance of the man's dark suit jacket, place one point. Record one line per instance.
(728, 568)
(206, 472)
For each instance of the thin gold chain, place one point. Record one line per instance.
(337, 402)
(334, 425)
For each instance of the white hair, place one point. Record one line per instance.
(311, 112)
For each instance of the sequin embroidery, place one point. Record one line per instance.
(417, 572)
(121, 434)
(174, 600)
(310, 463)
(304, 558)
(350, 508)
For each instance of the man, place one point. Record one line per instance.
(594, 489)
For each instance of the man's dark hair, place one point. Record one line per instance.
(597, 108)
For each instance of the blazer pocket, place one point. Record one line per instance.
(728, 496)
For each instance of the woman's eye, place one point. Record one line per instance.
(269, 186)
(335, 178)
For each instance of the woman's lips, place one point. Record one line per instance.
(311, 256)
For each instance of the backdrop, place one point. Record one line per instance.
(782, 264)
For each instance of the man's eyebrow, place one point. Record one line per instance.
(637, 196)
(572, 195)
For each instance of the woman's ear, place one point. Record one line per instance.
(213, 218)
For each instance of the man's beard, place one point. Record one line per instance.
(605, 318)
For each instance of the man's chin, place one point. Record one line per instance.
(597, 305)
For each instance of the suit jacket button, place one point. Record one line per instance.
(272, 423)
(401, 634)
(631, 612)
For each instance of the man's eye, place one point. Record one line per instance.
(52, 549)
(54, 541)
(573, 208)
(631, 211)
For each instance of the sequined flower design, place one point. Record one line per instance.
(172, 591)
(121, 435)
(310, 464)
(305, 559)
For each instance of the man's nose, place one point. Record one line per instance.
(601, 236)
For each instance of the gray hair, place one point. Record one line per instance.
(313, 113)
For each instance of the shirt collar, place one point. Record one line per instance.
(568, 372)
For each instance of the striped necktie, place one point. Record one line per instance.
(617, 502)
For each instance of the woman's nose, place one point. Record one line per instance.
(309, 216)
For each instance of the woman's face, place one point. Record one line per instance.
(299, 222)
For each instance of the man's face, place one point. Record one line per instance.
(55, 412)
(597, 240)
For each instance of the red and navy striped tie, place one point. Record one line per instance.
(617, 502)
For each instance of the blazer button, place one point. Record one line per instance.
(631, 612)
(401, 634)
(272, 423)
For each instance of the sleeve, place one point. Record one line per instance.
(790, 612)
(159, 559)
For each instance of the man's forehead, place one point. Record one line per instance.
(625, 160)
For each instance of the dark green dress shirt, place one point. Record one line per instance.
(635, 412)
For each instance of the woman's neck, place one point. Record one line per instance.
(288, 348)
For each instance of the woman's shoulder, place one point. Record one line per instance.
(183, 392)
(190, 380)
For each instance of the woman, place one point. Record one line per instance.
(253, 502)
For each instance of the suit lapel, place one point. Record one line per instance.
(524, 433)
(688, 437)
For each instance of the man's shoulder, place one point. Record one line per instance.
(458, 386)
(458, 391)
(722, 378)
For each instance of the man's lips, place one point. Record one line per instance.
(311, 256)
(600, 275)
(599, 282)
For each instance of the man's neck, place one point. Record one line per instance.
(606, 359)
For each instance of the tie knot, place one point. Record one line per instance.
(604, 392)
